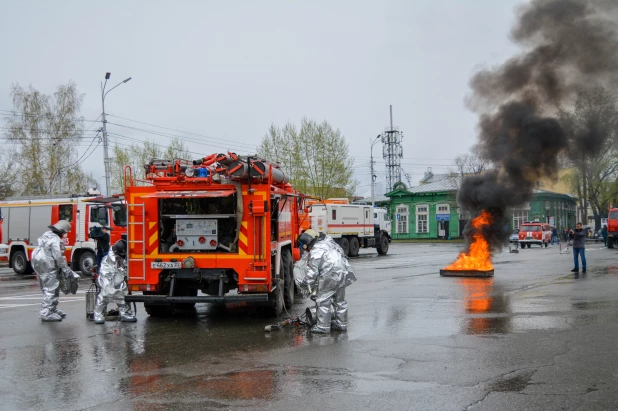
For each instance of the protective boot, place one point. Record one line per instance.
(340, 309)
(99, 310)
(125, 313)
(52, 317)
(60, 312)
(323, 317)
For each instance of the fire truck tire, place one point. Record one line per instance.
(287, 266)
(354, 247)
(275, 302)
(345, 245)
(382, 246)
(155, 310)
(185, 292)
(20, 263)
(86, 262)
(610, 242)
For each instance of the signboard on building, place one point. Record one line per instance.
(551, 221)
(443, 217)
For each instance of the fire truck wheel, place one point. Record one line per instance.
(20, 264)
(287, 266)
(383, 245)
(345, 245)
(354, 247)
(185, 292)
(610, 243)
(275, 302)
(155, 310)
(86, 262)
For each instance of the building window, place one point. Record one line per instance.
(519, 217)
(402, 219)
(443, 209)
(422, 218)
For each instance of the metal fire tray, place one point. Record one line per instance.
(467, 273)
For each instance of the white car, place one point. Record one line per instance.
(514, 236)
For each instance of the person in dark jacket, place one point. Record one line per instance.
(103, 245)
(554, 236)
(604, 234)
(579, 247)
(565, 235)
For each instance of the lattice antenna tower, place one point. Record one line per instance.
(392, 152)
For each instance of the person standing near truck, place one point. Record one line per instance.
(103, 245)
(604, 234)
(579, 247)
(53, 272)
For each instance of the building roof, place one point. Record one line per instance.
(377, 199)
(446, 183)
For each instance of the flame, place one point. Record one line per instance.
(478, 257)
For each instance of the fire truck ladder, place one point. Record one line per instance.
(135, 213)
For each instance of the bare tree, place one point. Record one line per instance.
(592, 128)
(473, 162)
(43, 133)
(315, 157)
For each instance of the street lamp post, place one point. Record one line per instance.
(105, 141)
(373, 177)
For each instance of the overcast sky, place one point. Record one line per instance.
(227, 70)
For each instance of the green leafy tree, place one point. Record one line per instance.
(136, 156)
(592, 128)
(42, 134)
(315, 157)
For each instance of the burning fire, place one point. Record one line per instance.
(479, 257)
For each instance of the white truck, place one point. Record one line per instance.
(352, 226)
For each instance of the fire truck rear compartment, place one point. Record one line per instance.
(202, 225)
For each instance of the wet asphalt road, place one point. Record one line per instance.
(533, 337)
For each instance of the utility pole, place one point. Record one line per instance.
(373, 177)
(106, 160)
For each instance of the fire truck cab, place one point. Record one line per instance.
(223, 226)
(534, 233)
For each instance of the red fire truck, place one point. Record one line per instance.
(612, 228)
(220, 224)
(24, 219)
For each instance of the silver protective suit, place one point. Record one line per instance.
(324, 273)
(54, 274)
(112, 288)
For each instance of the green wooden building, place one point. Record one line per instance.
(429, 210)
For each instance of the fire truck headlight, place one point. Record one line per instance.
(190, 172)
(188, 262)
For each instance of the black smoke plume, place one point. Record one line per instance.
(567, 46)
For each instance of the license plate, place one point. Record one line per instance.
(165, 265)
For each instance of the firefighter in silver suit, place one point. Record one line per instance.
(53, 272)
(326, 276)
(112, 284)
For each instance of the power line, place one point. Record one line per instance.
(236, 143)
